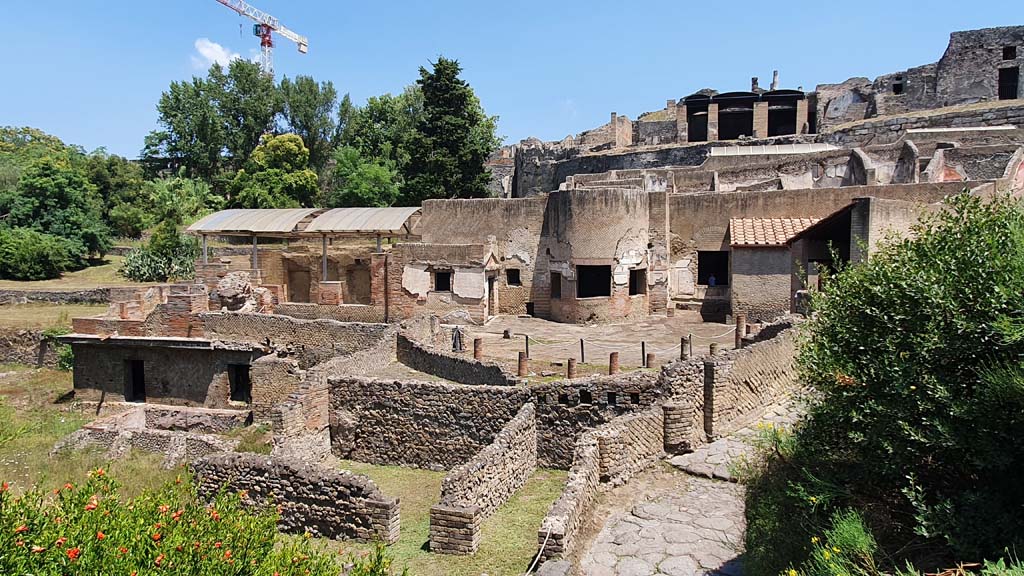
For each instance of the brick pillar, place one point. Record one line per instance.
(803, 124)
(709, 398)
(613, 363)
(679, 424)
(682, 128)
(478, 348)
(760, 119)
(741, 328)
(570, 371)
(713, 349)
(524, 365)
(712, 121)
(650, 359)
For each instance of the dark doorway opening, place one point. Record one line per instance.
(492, 296)
(241, 385)
(735, 115)
(1009, 80)
(298, 284)
(556, 286)
(443, 281)
(1009, 53)
(782, 118)
(593, 281)
(512, 277)
(357, 281)
(697, 118)
(713, 268)
(637, 282)
(134, 381)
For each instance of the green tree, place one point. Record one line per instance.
(54, 198)
(192, 134)
(29, 255)
(247, 102)
(384, 129)
(308, 110)
(359, 181)
(277, 176)
(452, 141)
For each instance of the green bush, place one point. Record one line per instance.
(65, 355)
(167, 256)
(29, 255)
(129, 220)
(915, 360)
(88, 529)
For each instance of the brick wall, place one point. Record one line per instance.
(316, 499)
(342, 313)
(630, 443)
(558, 530)
(473, 491)
(451, 366)
(761, 282)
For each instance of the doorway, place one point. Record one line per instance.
(492, 296)
(357, 281)
(1009, 81)
(134, 381)
(298, 285)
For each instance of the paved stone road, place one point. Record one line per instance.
(695, 529)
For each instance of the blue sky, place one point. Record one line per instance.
(91, 71)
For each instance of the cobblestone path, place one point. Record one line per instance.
(693, 527)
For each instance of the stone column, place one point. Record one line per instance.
(613, 363)
(741, 328)
(712, 122)
(524, 365)
(571, 369)
(682, 128)
(803, 125)
(760, 119)
(478, 348)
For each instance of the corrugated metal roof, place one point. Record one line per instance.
(253, 220)
(766, 231)
(366, 220)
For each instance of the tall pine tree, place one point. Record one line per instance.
(452, 141)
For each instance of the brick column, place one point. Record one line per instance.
(803, 125)
(712, 121)
(760, 119)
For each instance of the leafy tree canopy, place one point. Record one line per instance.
(309, 110)
(359, 181)
(277, 176)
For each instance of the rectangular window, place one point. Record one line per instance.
(637, 282)
(1009, 53)
(713, 268)
(897, 88)
(512, 277)
(593, 281)
(556, 286)
(586, 397)
(241, 385)
(134, 381)
(442, 281)
(1009, 78)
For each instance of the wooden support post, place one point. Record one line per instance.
(206, 251)
(643, 354)
(526, 343)
(255, 250)
(683, 355)
(583, 353)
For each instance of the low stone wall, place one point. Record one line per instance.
(27, 347)
(436, 425)
(890, 128)
(450, 366)
(340, 312)
(474, 490)
(89, 296)
(199, 420)
(557, 533)
(324, 502)
(301, 422)
(630, 443)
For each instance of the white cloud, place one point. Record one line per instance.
(210, 52)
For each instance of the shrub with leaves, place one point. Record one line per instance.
(168, 255)
(915, 355)
(29, 255)
(88, 529)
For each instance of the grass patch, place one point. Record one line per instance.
(256, 439)
(101, 272)
(43, 315)
(32, 420)
(509, 536)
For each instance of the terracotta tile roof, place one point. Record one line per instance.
(766, 231)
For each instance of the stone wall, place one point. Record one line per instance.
(322, 501)
(425, 424)
(473, 491)
(88, 296)
(451, 366)
(28, 347)
(887, 129)
(557, 534)
(630, 443)
(364, 313)
(761, 281)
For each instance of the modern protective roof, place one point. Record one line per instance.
(364, 220)
(253, 221)
(298, 221)
(764, 232)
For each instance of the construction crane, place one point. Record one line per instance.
(265, 27)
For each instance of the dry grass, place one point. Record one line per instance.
(101, 273)
(43, 315)
(509, 537)
(33, 418)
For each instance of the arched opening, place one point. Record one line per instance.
(782, 118)
(735, 114)
(697, 117)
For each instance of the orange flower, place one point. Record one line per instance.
(122, 550)
(177, 515)
(160, 559)
(60, 541)
(73, 553)
(100, 472)
(217, 544)
(214, 514)
(197, 544)
(69, 486)
(163, 508)
(90, 506)
(156, 537)
(20, 529)
(19, 542)
(227, 554)
(100, 535)
(38, 549)
(5, 487)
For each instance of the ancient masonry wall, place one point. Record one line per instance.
(558, 530)
(474, 490)
(425, 424)
(890, 129)
(340, 312)
(630, 443)
(316, 499)
(451, 366)
(27, 347)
